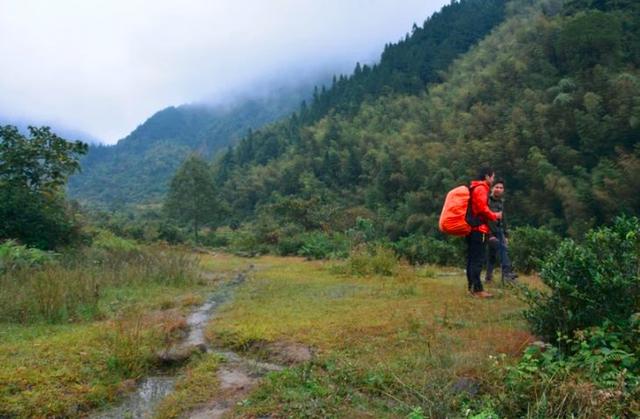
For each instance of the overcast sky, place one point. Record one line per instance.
(104, 66)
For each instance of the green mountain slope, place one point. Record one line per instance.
(551, 99)
(137, 169)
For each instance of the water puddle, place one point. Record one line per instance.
(141, 403)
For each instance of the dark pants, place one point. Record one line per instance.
(476, 256)
(498, 248)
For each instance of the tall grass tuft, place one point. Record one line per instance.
(70, 290)
(379, 260)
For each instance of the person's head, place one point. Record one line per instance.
(497, 190)
(487, 174)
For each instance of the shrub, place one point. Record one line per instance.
(291, 245)
(599, 364)
(590, 282)
(320, 245)
(106, 240)
(363, 231)
(14, 256)
(529, 246)
(421, 249)
(378, 260)
(221, 237)
(170, 233)
(244, 240)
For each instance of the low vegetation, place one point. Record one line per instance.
(387, 343)
(76, 328)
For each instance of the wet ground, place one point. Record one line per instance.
(237, 375)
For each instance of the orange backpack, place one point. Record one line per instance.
(456, 218)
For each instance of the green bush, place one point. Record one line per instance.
(106, 240)
(170, 234)
(245, 241)
(419, 249)
(601, 363)
(220, 237)
(367, 260)
(589, 282)
(320, 245)
(364, 231)
(291, 245)
(529, 246)
(14, 256)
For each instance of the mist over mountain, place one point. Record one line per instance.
(138, 168)
(60, 129)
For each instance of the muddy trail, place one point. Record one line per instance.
(237, 375)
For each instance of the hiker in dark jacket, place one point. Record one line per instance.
(498, 236)
(477, 239)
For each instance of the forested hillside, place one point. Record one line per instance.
(551, 99)
(137, 169)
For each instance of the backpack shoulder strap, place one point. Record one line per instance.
(472, 220)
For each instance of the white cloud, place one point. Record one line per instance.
(104, 66)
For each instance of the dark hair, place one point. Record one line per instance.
(485, 171)
(498, 181)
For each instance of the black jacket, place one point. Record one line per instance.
(497, 205)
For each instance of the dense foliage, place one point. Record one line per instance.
(530, 246)
(590, 282)
(192, 196)
(408, 66)
(591, 313)
(551, 99)
(33, 172)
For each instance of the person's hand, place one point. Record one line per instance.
(499, 215)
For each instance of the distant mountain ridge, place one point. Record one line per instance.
(137, 169)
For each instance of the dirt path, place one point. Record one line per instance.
(237, 375)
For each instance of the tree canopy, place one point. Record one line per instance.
(33, 172)
(192, 197)
(550, 99)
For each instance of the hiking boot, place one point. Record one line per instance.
(482, 294)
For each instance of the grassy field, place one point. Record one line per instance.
(411, 344)
(64, 368)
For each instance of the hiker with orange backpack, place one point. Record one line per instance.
(466, 213)
(481, 214)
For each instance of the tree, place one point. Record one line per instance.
(42, 163)
(192, 195)
(33, 173)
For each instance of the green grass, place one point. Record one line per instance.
(386, 346)
(50, 367)
(197, 385)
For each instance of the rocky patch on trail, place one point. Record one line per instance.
(288, 353)
(238, 376)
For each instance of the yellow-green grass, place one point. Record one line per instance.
(385, 346)
(196, 385)
(64, 370)
(226, 264)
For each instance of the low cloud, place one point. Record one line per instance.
(104, 66)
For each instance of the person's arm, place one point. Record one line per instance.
(481, 199)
